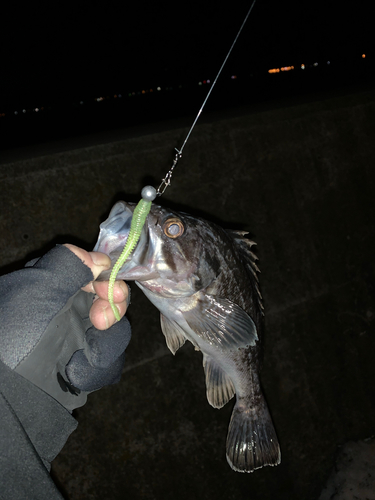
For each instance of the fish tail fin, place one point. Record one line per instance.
(252, 442)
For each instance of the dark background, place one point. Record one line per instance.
(60, 58)
(288, 157)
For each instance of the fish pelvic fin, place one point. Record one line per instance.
(252, 442)
(220, 388)
(173, 333)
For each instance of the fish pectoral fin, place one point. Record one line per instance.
(220, 388)
(222, 323)
(173, 333)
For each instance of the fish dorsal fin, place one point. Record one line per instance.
(243, 246)
(174, 335)
(220, 388)
(221, 323)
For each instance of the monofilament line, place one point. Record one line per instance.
(217, 76)
(167, 179)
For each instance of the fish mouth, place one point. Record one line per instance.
(112, 239)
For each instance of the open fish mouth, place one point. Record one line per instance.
(114, 229)
(113, 235)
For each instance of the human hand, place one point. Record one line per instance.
(53, 334)
(101, 314)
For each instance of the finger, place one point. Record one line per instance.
(120, 290)
(102, 316)
(96, 261)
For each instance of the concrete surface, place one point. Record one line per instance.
(301, 179)
(353, 476)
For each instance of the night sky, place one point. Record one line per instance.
(62, 57)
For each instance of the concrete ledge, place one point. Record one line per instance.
(300, 178)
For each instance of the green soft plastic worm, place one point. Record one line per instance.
(138, 221)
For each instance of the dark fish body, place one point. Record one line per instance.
(203, 280)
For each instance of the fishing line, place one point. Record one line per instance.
(167, 179)
(149, 193)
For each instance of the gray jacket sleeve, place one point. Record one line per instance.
(33, 429)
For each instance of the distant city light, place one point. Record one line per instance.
(166, 89)
(277, 70)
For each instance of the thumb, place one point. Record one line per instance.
(96, 261)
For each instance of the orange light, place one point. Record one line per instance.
(275, 70)
(363, 56)
(287, 68)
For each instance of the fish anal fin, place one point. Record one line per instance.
(220, 388)
(173, 333)
(252, 442)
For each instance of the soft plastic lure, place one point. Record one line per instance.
(138, 220)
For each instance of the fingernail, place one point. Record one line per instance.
(126, 289)
(100, 259)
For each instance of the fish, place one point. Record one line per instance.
(204, 281)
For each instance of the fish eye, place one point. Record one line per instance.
(173, 228)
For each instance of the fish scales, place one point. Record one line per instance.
(203, 279)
